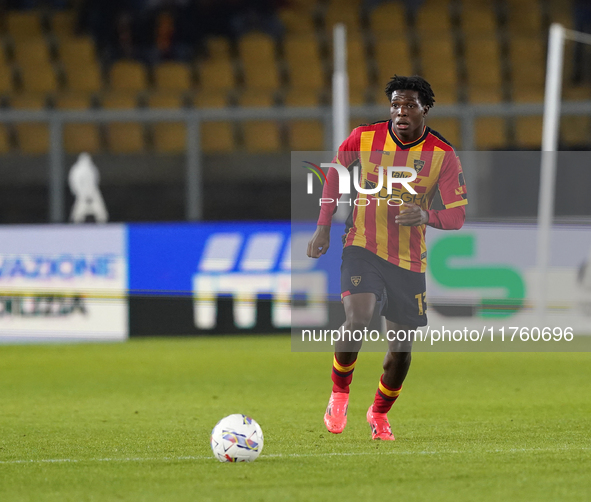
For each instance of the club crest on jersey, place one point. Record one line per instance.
(356, 279)
(418, 165)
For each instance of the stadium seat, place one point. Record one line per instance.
(63, 23)
(128, 76)
(6, 80)
(260, 136)
(478, 18)
(21, 25)
(438, 61)
(528, 61)
(490, 133)
(388, 19)
(575, 130)
(387, 65)
(39, 79)
(172, 76)
(302, 56)
(31, 52)
(123, 137)
(257, 53)
(78, 137)
(297, 20)
(525, 94)
(168, 137)
(347, 13)
(484, 94)
(218, 47)
(449, 128)
(32, 138)
(524, 18)
(304, 135)
(216, 137)
(483, 61)
(216, 74)
(433, 19)
(446, 94)
(85, 78)
(76, 51)
(528, 132)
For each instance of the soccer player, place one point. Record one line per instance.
(384, 254)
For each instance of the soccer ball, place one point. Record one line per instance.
(236, 438)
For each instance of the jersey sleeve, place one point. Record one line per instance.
(348, 153)
(452, 186)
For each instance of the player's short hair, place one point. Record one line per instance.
(414, 83)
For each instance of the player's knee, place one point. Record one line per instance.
(358, 320)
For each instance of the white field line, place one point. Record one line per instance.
(289, 455)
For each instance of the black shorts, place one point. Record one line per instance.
(401, 292)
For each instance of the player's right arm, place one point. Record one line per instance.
(347, 154)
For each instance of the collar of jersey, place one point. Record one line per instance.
(402, 145)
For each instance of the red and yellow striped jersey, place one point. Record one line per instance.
(371, 224)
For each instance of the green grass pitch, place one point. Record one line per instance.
(131, 421)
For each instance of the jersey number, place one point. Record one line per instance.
(420, 300)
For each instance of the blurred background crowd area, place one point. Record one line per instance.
(268, 53)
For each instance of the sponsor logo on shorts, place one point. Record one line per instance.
(356, 279)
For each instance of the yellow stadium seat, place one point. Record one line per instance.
(524, 18)
(490, 133)
(77, 51)
(388, 19)
(347, 13)
(575, 130)
(298, 21)
(216, 137)
(22, 25)
(392, 57)
(39, 79)
(4, 139)
(31, 52)
(528, 61)
(304, 135)
(168, 137)
(218, 48)
(123, 137)
(483, 60)
(528, 132)
(78, 137)
(216, 74)
(485, 94)
(257, 52)
(63, 23)
(172, 76)
(478, 18)
(6, 80)
(85, 78)
(446, 94)
(33, 138)
(433, 19)
(128, 76)
(449, 128)
(525, 94)
(260, 135)
(300, 97)
(302, 55)
(439, 65)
